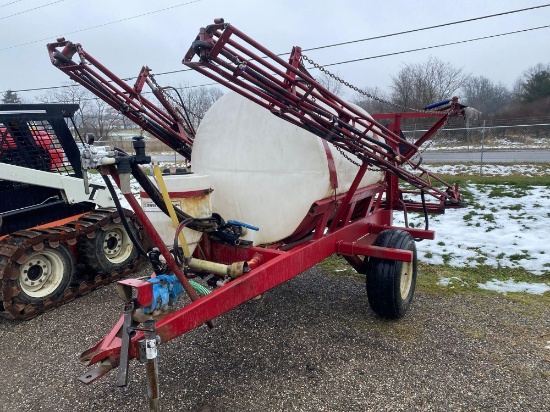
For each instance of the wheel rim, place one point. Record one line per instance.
(406, 279)
(117, 245)
(42, 273)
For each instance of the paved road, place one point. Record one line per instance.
(493, 156)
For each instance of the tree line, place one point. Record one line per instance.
(414, 86)
(419, 84)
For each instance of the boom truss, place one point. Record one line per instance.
(168, 123)
(236, 61)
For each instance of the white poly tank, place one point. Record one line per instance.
(265, 171)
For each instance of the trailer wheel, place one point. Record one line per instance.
(109, 250)
(390, 283)
(44, 274)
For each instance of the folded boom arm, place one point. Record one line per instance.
(291, 93)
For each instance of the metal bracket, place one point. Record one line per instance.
(127, 333)
(96, 373)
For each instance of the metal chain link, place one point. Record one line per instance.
(373, 97)
(168, 96)
(343, 153)
(364, 93)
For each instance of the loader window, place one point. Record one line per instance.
(32, 144)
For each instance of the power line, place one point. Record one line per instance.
(79, 85)
(102, 25)
(7, 4)
(26, 11)
(426, 28)
(435, 47)
(330, 64)
(97, 98)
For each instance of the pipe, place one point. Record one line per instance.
(234, 270)
(152, 372)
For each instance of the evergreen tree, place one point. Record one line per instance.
(10, 97)
(536, 87)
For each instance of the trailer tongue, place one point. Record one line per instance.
(355, 222)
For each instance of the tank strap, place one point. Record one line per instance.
(331, 166)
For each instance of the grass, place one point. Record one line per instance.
(512, 183)
(462, 280)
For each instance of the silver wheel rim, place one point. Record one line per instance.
(406, 279)
(117, 245)
(42, 273)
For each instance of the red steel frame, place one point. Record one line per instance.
(347, 224)
(165, 123)
(270, 268)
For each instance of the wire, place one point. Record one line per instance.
(326, 65)
(26, 11)
(103, 25)
(383, 36)
(7, 4)
(435, 47)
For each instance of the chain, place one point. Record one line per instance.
(364, 93)
(343, 153)
(168, 96)
(378, 99)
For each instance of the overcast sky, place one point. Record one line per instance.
(159, 39)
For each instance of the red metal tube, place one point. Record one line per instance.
(150, 228)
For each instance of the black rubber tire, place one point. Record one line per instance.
(390, 293)
(94, 252)
(56, 277)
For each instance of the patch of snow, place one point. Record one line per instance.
(505, 286)
(492, 170)
(451, 281)
(499, 231)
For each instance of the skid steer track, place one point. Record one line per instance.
(16, 248)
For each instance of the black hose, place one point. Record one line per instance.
(123, 216)
(185, 110)
(177, 254)
(425, 210)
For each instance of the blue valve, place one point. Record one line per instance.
(237, 223)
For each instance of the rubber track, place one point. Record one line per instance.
(13, 247)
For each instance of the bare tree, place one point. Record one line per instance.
(197, 100)
(371, 104)
(70, 93)
(417, 85)
(330, 83)
(486, 96)
(103, 120)
(93, 115)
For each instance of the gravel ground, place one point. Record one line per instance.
(311, 344)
